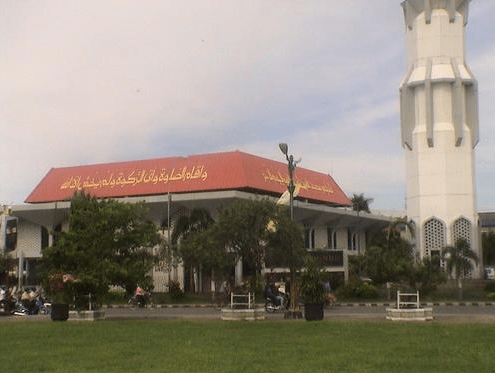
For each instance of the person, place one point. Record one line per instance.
(272, 293)
(26, 300)
(329, 296)
(140, 296)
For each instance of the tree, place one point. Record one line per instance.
(204, 249)
(242, 227)
(360, 203)
(488, 244)
(286, 248)
(460, 259)
(199, 220)
(429, 274)
(389, 256)
(107, 243)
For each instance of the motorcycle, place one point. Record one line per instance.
(19, 308)
(141, 300)
(3, 300)
(42, 307)
(271, 306)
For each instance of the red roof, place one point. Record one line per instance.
(196, 173)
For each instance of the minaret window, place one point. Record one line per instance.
(462, 229)
(434, 235)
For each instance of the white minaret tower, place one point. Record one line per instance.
(439, 125)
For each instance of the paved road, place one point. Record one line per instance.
(441, 313)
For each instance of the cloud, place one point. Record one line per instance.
(106, 81)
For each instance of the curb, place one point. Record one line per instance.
(428, 304)
(340, 305)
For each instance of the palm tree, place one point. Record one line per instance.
(459, 259)
(198, 220)
(360, 203)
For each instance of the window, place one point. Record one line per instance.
(434, 236)
(44, 237)
(355, 241)
(352, 240)
(331, 239)
(309, 238)
(461, 229)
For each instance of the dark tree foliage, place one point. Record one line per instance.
(360, 203)
(242, 227)
(389, 257)
(107, 243)
(488, 244)
(198, 220)
(460, 259)
(285, 243)
(429, 274)
(204, 248)
(189, 242)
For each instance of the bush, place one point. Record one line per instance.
(490, 287)
(357, 290)
(174, 289)
(116, 297)
(491, 296)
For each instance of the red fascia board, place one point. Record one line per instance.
(196, 173)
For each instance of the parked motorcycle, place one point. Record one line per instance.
(3, 300)
(42, 307)
(19, 309)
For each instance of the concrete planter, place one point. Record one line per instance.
(250, 314)
(86, 315)
(412, 314)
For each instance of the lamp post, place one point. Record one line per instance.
(293, 313)
(291, 166)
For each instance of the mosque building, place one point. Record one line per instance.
(173, 186)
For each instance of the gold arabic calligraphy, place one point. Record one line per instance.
(135, 177)
(306, 185)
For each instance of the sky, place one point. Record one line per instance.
(96, 81)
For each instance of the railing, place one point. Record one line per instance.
(404, 300)
(242, 300)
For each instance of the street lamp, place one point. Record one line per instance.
(291, 166)
(292, 313)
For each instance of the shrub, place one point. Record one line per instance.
(357, 289)
(491, 296)
(174, 289)
(490, 287)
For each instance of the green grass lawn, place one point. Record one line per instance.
(265, 346)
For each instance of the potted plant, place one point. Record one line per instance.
(59, 290)
(312, 289)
